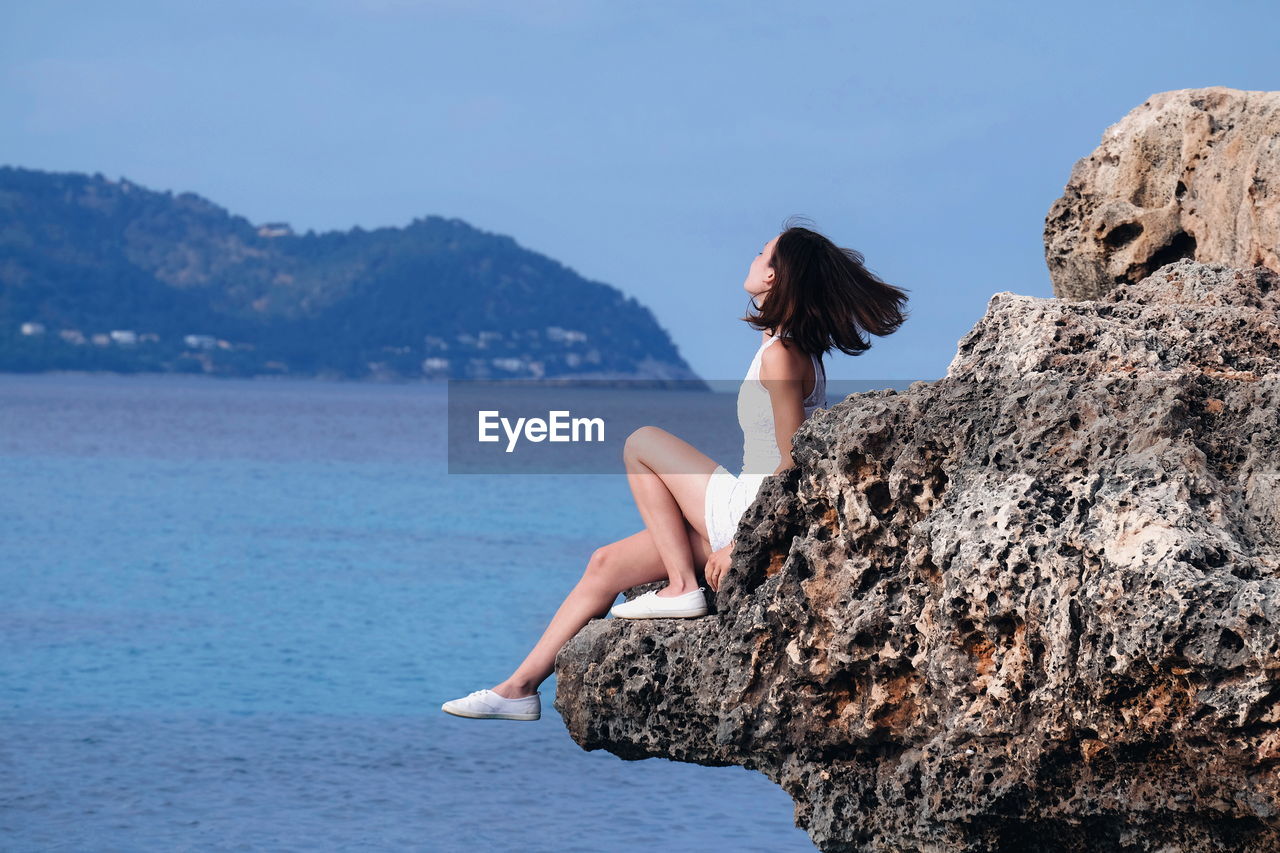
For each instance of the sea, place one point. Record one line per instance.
(231, 608)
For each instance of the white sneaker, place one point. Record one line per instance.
(487, 705)
(650, 605)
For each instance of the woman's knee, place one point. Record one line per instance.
(640, 439)
(599, 567)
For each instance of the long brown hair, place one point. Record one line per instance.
(823, 297)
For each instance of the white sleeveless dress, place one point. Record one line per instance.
(728, 496)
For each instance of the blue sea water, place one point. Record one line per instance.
(230, 610)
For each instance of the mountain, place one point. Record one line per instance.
(97, 274)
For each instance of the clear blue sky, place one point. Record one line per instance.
(654, 146)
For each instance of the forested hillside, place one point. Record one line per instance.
(97, 274)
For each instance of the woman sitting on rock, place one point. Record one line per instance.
(810, 296)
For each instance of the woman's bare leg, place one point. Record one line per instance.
(612, 568)
(668, 478)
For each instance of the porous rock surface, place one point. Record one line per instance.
(1033, 605)
(1192, 173)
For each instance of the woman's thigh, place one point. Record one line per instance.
(635, 560)
(683, 468)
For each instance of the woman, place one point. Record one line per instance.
(810, 296)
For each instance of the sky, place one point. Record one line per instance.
(652, 146)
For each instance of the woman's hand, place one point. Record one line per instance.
(717, 565)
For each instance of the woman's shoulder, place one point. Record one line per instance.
(784, 359)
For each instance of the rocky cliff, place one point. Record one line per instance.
(1190, 173)
(1034, 605)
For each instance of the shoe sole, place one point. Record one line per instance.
(477, 716)
(666, 614)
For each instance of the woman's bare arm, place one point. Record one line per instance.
(782, 372)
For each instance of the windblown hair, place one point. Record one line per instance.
(823, 297)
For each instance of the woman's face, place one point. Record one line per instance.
(760, 277)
